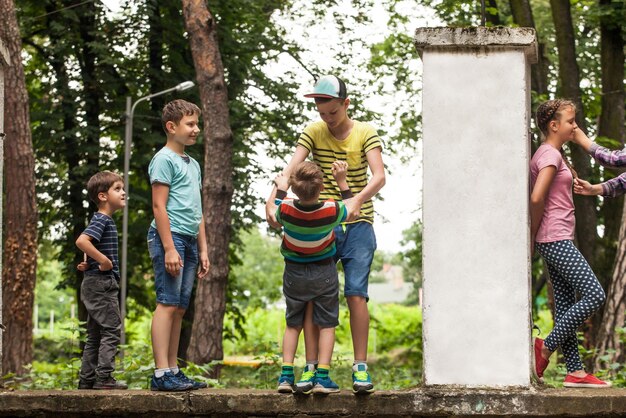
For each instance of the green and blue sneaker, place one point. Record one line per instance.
(307, 381)
(323, 383)
(361, 380)
(285, 382)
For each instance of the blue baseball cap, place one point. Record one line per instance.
(329, 87)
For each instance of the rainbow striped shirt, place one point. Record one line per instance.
(308, 230)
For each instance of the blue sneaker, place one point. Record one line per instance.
(194, 383)
(307, 381)
(285, 383)
(325, 385)
(361, 381)
(169, 383)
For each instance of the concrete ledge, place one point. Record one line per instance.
(477, 38)
(438, 402)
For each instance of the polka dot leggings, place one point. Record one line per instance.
(570, 273)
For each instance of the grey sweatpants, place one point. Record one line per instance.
(99, 293)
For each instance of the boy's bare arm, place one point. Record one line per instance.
(203, 252)
(160, 193)
(375, 162)
(85, 245)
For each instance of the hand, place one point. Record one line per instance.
(353, 209)
(339, 170)
(105, 266)
(282, 182)
(204, 265)
(270, 215)
(83, 266)
(173, 262)
(585, 188)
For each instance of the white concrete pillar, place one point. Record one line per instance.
(476, 242)
(4, 62)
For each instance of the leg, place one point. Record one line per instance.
(359, 326)
(568, 264)
(290, 343)
(187, 247)
(162, 322)
(110, 329)
(356, 250)
(311, 336)
(177, 322)
(89, 363)
(326, 344)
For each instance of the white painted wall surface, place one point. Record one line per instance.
(476, 228)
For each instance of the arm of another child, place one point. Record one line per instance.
(270, 206)
(340, 172)
(85, 245)
(605, 156)
(160, 193)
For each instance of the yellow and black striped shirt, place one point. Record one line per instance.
(326, 149)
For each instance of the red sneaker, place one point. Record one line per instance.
(589, 381)
(540, 363)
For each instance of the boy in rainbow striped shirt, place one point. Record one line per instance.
(310, 275)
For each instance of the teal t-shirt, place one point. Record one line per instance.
(184, 204)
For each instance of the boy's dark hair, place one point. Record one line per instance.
(307, 180)
(177, 109)
(101, 182)
(322, 100)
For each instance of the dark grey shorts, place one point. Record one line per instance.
(311, 282)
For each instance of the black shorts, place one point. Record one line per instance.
(312, 282)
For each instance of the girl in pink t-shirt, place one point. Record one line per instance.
(552, 231)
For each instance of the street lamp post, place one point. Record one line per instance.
(128, 137)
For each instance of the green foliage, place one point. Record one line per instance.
(259, 274)
(412, 238)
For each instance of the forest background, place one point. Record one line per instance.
(73, 63)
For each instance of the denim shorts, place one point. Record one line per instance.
(172, 290)
(356, 244)
(317, 283)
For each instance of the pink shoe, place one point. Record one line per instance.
(589, 381)
(540, 363)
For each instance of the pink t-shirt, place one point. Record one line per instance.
(558, 222)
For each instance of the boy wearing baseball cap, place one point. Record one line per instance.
(336, 137)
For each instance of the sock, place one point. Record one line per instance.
(287, 369)
(174, 370)
(322, 371)
(357, 363)
(311, 365)
(160, 372)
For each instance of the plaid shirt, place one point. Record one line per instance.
(615, 186)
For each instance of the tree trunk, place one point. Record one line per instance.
(206, 335)
(492, 18)
(612, 125)
(611, 122)
(89, 148)
(20, 209)
(523, 16)
(569, 75)
(608, 338)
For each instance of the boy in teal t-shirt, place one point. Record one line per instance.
(176, 240)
